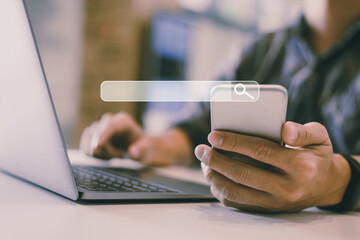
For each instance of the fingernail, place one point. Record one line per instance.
(200, 152)
(216, 139)
(134, 152)
(294, 133)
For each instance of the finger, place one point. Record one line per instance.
(205, 169)
(144, 151)
(238, 171)
(108, 151)
(110, 126)
(236, 192)
(239, 206)
(312, 133)
(106, 116)
(216, 193)
(120, 124)
(138, 149)
(224, 201)
(89, 137)
(257, 148)
(104, 121)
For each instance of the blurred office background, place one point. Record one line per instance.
(85, 42)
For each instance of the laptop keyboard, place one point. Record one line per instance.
(94, 179)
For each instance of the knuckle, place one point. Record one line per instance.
(228, 192)
(307, 169)
(306, 135)
(294, 196)
(210, 176)
(289, 195)
(318, 126)
(124, 116)
(205, 170)
(210, 158)
(240, 174)
(234, 144)
(262, 151)
(121, 117)
(106, 115)
(121, 120)
(323, 131)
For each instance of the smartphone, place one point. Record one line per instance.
(255, 110)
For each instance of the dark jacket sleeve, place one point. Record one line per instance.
(198, 127)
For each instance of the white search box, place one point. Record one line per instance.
(179, 91)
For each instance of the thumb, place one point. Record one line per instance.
(137, 150)
(299, 135)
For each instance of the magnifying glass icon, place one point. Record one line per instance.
(243, 91)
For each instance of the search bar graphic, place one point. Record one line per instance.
(179, 91)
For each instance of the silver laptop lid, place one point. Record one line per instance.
(31, 144)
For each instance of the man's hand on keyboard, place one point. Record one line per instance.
(110, 136)
(117, 134)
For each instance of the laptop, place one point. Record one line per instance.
(31, 143)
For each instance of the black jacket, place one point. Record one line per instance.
(323, 88)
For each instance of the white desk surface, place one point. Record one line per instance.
(29, 212)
